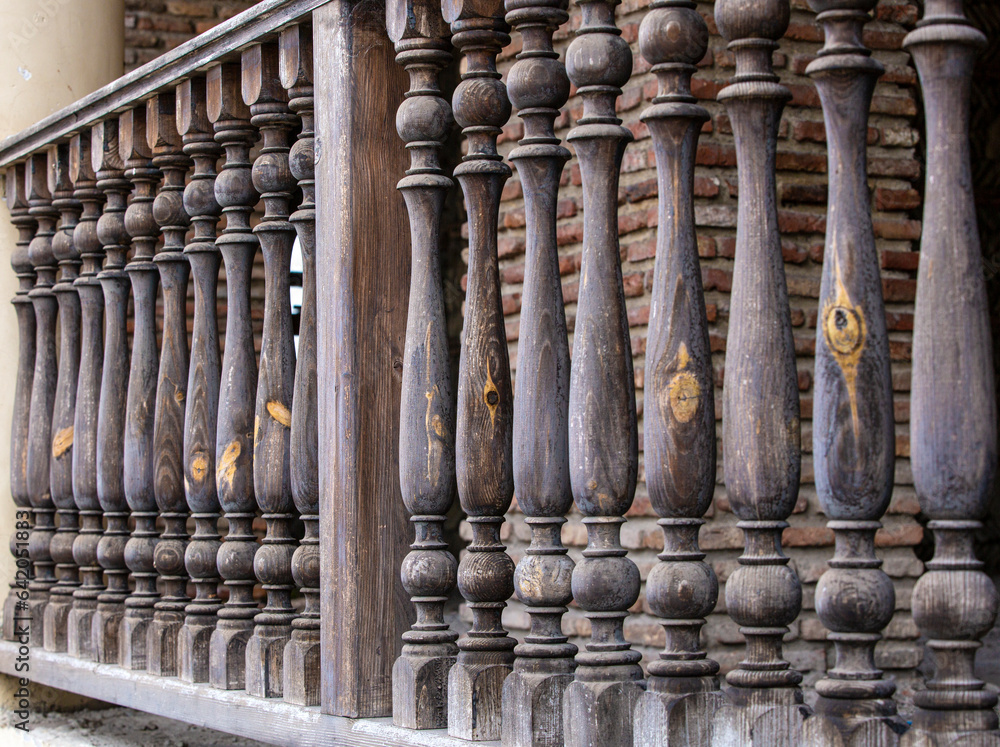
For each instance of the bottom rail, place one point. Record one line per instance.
(229, 711)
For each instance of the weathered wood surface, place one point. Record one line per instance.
(88, 394)
(301, 669)
(532, 703)
(678, 398)
(140, 405)
(362, 274)
(43, 391)
(17, 205)
(64, 405)
(427, 409)
(202, 402)
(953, 404)
(111, 413)
(853, 429)
(164, 143)
(603, 436)
(235, 193)
(484, 418)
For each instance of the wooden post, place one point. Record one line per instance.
(603, 436)
(88, 395)
(202, 403)
(140, 449)
(484, 420)
(533, 693)
(362, 274)
(64, 407)
(235, 192)
(302, 652)
(171, 385)
(760, 415)
(107, 162)
(853, 435)
(43, 391)
(21, 263)
(953, 424)
(679, 400)
(426, 413)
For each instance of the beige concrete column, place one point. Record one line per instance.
(52, 52)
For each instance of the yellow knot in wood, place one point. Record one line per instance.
(280, 413)
(62, 441)
(199, 466)
(226, 470)
(843, 329)
(685, 394)
(491, 396)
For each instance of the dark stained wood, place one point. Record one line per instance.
(171, 388)
(111, 414)
(603, 437)
(21, 263)
(532, 700)
(760, 404)
(234, 191)
(362, 274)
(202, 402)
(484, 420)
(678, 398)
(88, 393)
(301, 668)
(853, 430)
(140, 405)
(953, 403)
(43, 391)
(427, 405)
(64, 406)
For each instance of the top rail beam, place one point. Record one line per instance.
(261, 20)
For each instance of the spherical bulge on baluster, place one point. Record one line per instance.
(599, 60)
(200, 558)
(111, 229)
(61, 547)
(606, 584)
(673, 35)
(170, 557)
(236, 558)
(481, 102)
(302, 156)
(271, 173)
(199, 197)
(305, 567)
(139, 219)
(62, 246)
(821, 6)
(20, 260)
(538, 82)
(168, 208)
(855, 600)
(428, 573)
(139, 552)
(545, 580)
(234, 187)
(954, 605)
(272, 564)
(85, 548)
(423, 118)
(85, 237)
(682, 590)
(40, 251)
(110, 550)
(762, 19)
(486, 576)
(767, 595)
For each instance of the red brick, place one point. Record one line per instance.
(900, 260)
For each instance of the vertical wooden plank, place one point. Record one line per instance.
(362, 273)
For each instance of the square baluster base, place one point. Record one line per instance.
(104, 630)
(300, 671)
(973, 728)
(79, 629)
(161, 643)
(37, 602)
(265, 660)
(227, 654)
(192, 651)
(420, 691)
(861, 723)
(56, 618)
(672, 720)
(132, 638)
(771, 717)
(474, 695)
(9, 613)
(596, 714)
(533, 709)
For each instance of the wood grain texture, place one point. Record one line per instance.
(427, 410)
(362, 274)
(532, 702)
(64, 406)
(953, 403)
(603, 436)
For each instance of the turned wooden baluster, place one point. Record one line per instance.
(533, 693)
(64, 408)
(19, 537)
(171, 387)
(43, 391)
(235, 192)
(485, 401)
(88, 394)
(953, 426)
(426, 412)
(111, 416)
(140, 405)
(761, 440)
(202, 402)
(267, 100)
(603, 437)
(302, 652)
(679, 398)
(853, 430)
